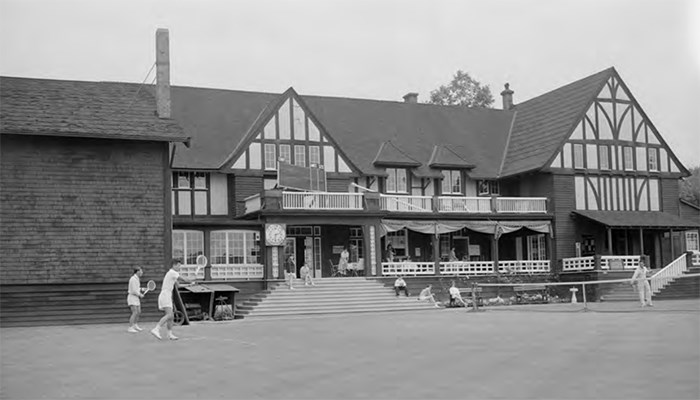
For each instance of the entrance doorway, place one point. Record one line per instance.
(306, 250)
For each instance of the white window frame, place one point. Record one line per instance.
(286, 153)
(628, 154)
(192, 245)
(604, 159)
(300, 155)
(692, 241)
(653, 159)
(579, 162)
(249, 241)
(396, 178)
(449, 177)
(314, 155)
(536, 247)
(270, 156)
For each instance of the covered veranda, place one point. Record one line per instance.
(474, 247)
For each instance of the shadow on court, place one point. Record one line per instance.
(615, 350)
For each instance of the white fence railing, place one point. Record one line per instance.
(524, 266)
(521, 205)
(224, 272)
(464, 204)
(407, 268)
(466, 267)
(695, 259)
(668, 273)
(321, 201)
(606, 262)
(406, 203)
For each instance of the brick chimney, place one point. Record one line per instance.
(507, 95)
(411, 98)
(162, 73)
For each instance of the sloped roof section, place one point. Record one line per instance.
(359, 125)
(108, 110)
(637, 219)
(217, 120)
(445, 157)
(543, 123)
(392, 156)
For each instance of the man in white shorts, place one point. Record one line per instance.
(455, 295)
(165, 299)
(425, 294)
(133, 300)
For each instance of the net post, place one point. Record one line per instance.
(585, 303)
(475, 305)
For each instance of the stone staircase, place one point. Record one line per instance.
(329, 296)
(683, 288)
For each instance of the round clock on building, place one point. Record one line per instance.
(275, 234)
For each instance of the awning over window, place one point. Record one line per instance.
(638, 219)
(490, 227)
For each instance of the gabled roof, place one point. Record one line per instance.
(543, 123)
(391, 156)
(446, 157)
(106, 110)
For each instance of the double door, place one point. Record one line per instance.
(306, 250)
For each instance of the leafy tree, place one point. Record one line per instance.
(690, 186)
(463, 90)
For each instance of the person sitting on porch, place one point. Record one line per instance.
(305, 274)
(453, 255)
(399, 285)
(425, 294)
(455, 296)
(343, 262)
(640, 279)
(390, 253)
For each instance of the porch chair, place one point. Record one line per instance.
(334, 269)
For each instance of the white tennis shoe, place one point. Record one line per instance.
(155, 333)
(172, 337)
(132, 330)
(138, 328)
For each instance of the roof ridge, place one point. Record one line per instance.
(578, 81)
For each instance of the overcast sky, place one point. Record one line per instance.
(374, 49)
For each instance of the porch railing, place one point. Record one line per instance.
(408, 268)
(695, 259)
(321, 201)
(466, 267)
(628, 262)
(464, 204)
(524, 266)
(521, 205)
(588, 263)
(406, 203)
(578, 264)
(224, 272)
(668, 273)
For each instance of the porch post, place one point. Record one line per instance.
(641, 242)
(436, 253)
(670, 239)
(494, 254)
(610, 249)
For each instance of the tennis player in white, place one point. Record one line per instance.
(133, 300)
(165, 299)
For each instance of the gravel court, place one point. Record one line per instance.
(548, 351)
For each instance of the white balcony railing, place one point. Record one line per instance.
(408, 268)
(578, 264)
(626, 262)
(466, 267)
(464, 204)
(523, 266)
(668, 273)
(406, 203)
(321, 201)
(521, 205)
(224, 272)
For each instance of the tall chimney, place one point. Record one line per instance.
(162, 73)
(411, 97)
(507, 97)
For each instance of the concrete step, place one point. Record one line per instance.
(348, 303)
(278, 313)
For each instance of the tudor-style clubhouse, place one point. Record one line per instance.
(576, 180)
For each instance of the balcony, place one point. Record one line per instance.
(462, 268)
(343, 201)
(589, 263)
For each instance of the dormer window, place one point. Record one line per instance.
(451, 182)
(396, 180)
(487, 188)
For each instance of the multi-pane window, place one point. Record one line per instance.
(489, 188)
(451, 182)
(270, 156)
(578, 155)
(300, 155)
(314, 155)
(603, 154)
(628, 158)
(356, 244)
(653, 159)
(692, 242)
(190, 193)
(187, 245)
(286, 153)
(396, 180)
(235, 247)
(536, 247)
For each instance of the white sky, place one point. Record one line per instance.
(374, 49)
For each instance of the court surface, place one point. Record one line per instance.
(542, 352)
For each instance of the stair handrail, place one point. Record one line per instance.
(668, 273)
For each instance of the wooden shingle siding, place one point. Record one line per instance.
(669, 196)
(338, 185)
(562, 202)
(245, 186)
(80, 210)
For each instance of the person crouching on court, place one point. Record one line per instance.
(456, 296)
(133, 300)
(640, 279)
(165, 299)
(425, 294)
(305, 274)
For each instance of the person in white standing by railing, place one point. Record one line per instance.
(640, 279)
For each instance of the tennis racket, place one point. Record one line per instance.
(201, 262)
(150, 286)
